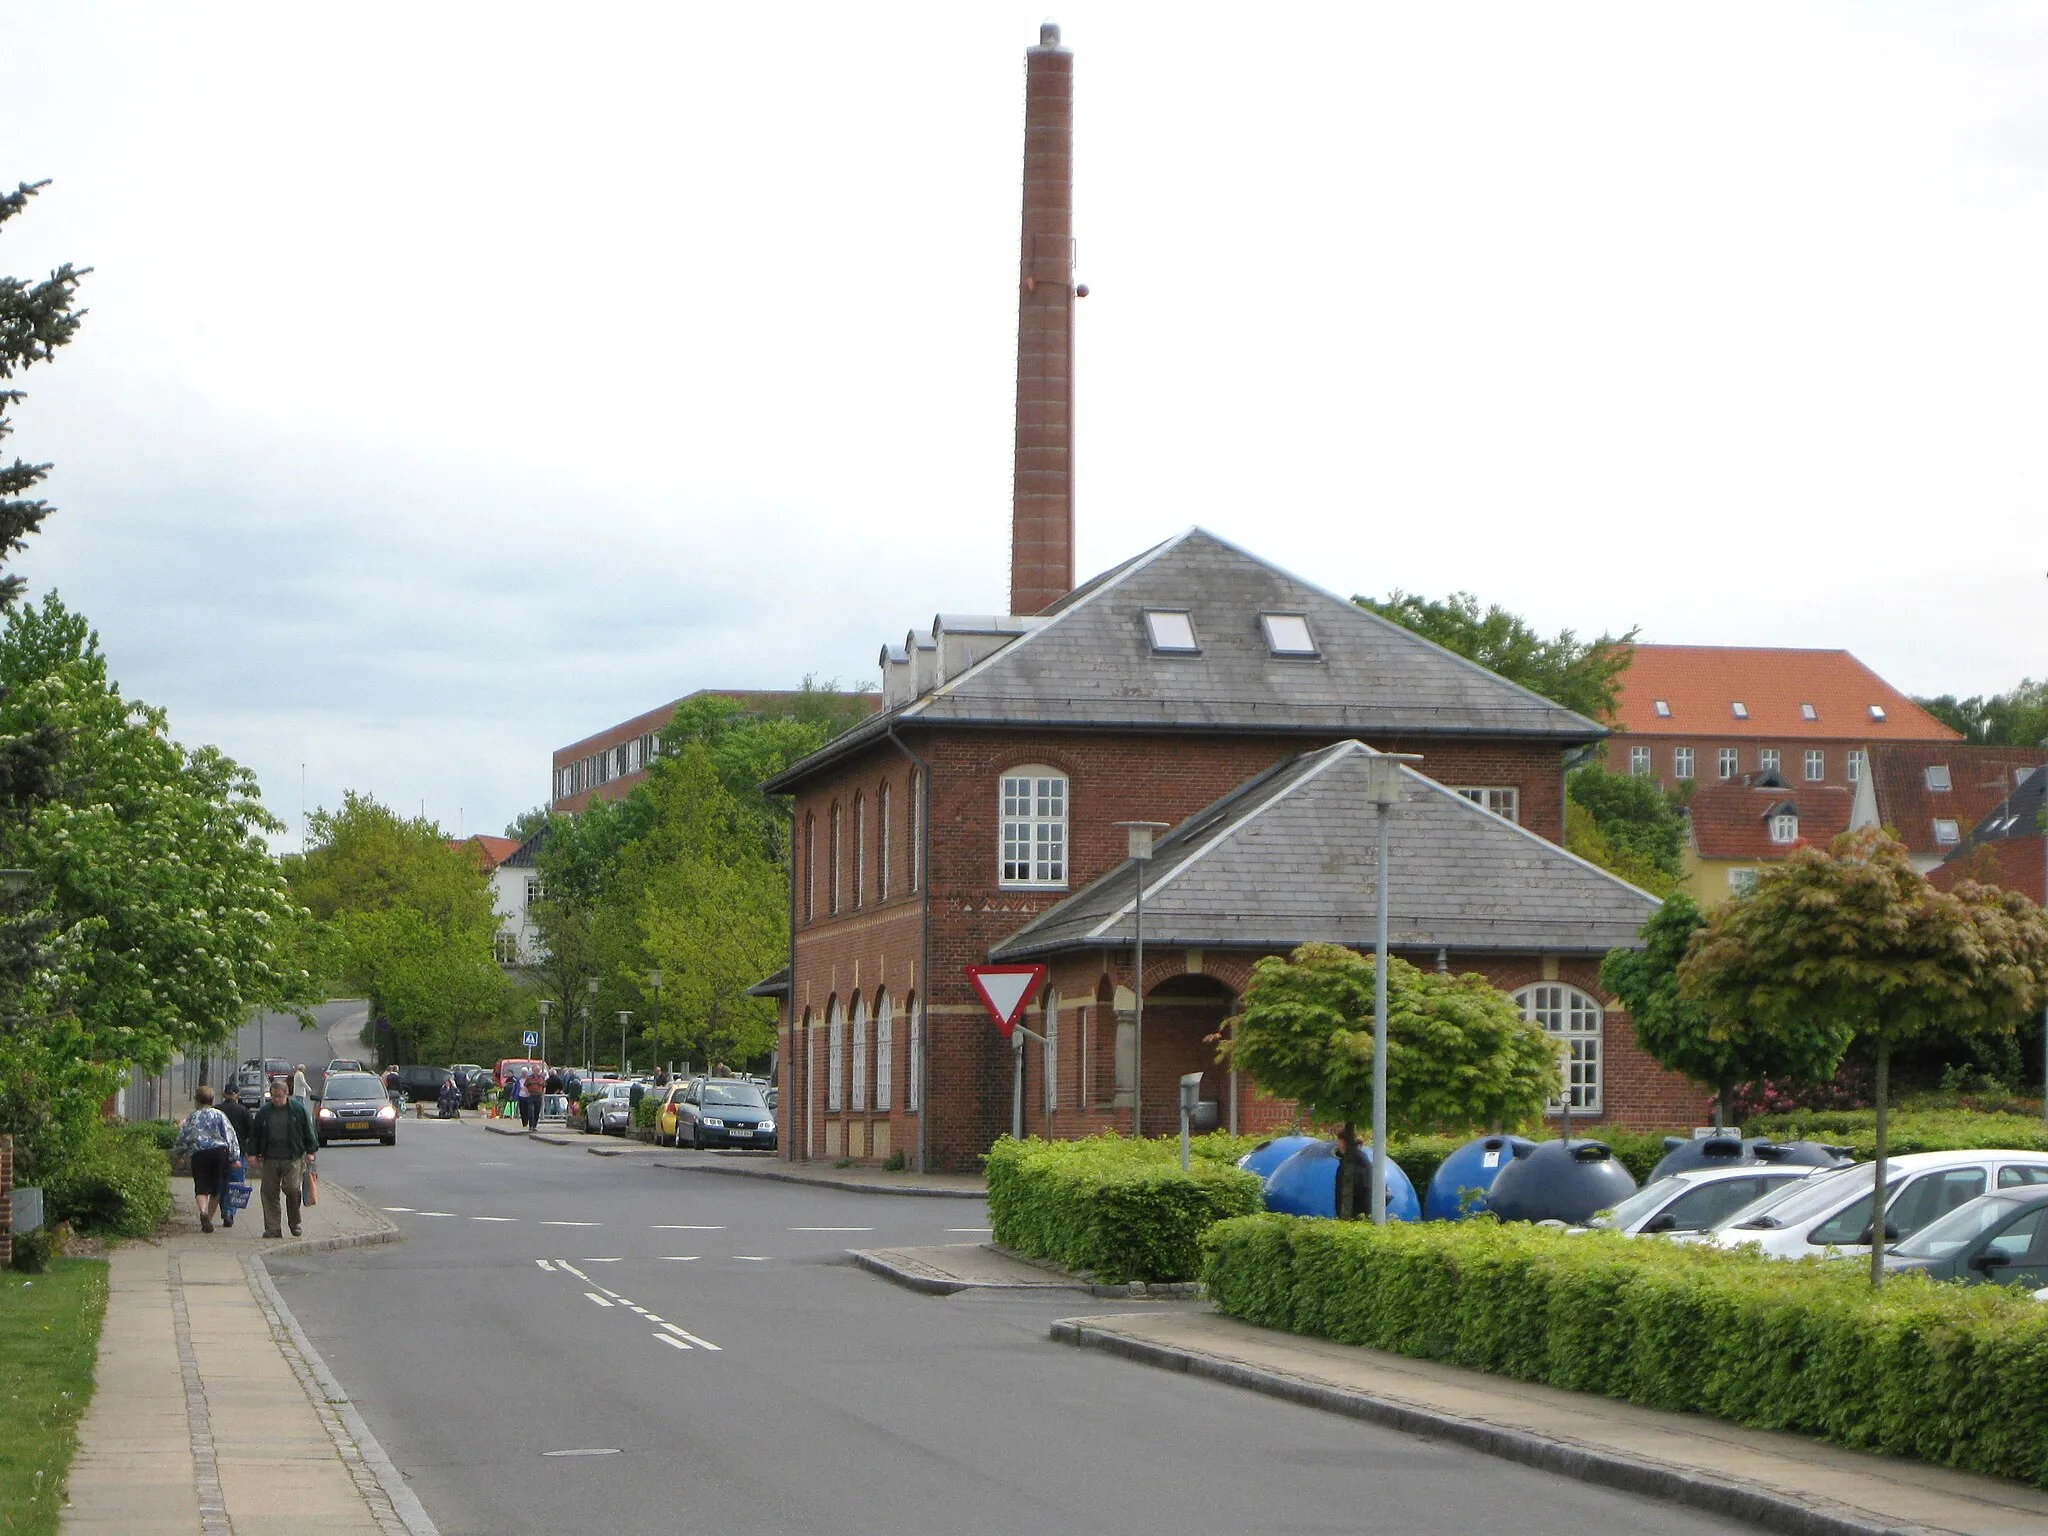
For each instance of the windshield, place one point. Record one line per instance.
(354, 1085)
(1800, 1199)
(1641, 1204)
(1959, 1228)
(743, 1094)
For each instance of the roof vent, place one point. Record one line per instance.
(895, 664)
(924, 662)
(1741, 710)
(1877, 713)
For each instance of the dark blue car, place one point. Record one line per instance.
(724, 1112)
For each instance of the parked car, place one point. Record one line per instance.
(1831, 1212)
(1696, 1198)
(504, 1071)
(472, 1080)
(250, 1085)
(2000, 1237)
(723, 1112)
(356, 1108)
(422, 1084)
(665, 1114)
(608, 1110)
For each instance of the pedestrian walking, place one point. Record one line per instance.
(302, 1090)
(281, 1141)
(450, 1099)
(210, 1137)
(536, 1086)
(244, 1123)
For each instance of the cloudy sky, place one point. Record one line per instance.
(461, 379)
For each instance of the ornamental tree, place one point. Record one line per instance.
(1459, 1053)
(1854, 940)
(1716, 1049)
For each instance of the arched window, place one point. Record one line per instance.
(1573, 1019)
(882, 849)
(832, 892)
(916, 829)
(885, 1049)
(1034, 827)
(913, 1092)
(835, 1058)
(810, 867)
(860, 850)
(860, 1056)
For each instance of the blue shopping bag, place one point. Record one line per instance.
(237, 1197)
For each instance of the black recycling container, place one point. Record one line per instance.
(1560, 1181)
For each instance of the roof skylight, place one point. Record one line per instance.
(1171, 629)
(1741, 710)
(1808, 712)
(1287, 634)
(1877, 713)
(1663, 709)
(1945, 831)
(1937, 777)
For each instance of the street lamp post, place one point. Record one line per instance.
(1383, 789)
(625, 1018)
(654, 1029)
(589, 1019)
(546, 1007)
(1139, 846)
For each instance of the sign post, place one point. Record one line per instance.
(1006, 991)
(532, 1040)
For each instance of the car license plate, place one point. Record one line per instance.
(740, 1130)
(355, 1125)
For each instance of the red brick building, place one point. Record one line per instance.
(2006, 847)
(1931, 796)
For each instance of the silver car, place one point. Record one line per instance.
(610, 1111)
(1696, 1198)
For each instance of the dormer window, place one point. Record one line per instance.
(1663, 709)
(1741, 710)
(1938, 779)
(1785, 827)
(1808, 712)
(1877, 713)
(1171, 630)
(1946, 831)
(1287, 634)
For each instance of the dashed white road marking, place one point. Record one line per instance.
(680, 1258)
(751, 1258)
(831, 1229)
(601, 1261)
(433, 1213)
(671, 1340)
(686, 1334)
(572, 1223)
(597, 1298)
(677, 1226)
(494, 1218)
(970, 1229)
(402, 1210)
(544, 1264)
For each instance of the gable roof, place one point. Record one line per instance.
(1980, 778)
(1088, 663)
(2005, 848)
(1732, 821)
(1703, 683)
(491, 851)
(1291, 856)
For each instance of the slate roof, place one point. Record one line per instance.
(1089, 663)
(1703, 683)
(771, 986)
(1290, 856)
(1732, 820)
(2005, 848)
(1979, 777)
(523, 857)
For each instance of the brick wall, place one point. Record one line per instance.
(1706, 752)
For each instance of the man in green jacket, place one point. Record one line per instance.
(278, 1146)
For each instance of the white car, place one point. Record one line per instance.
(1697, 1198)
(1830, 1214)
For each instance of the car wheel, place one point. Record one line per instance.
(323, 1143)
(391, 1140)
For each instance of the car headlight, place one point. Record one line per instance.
(387, 1113)
(326, 1113)
(712, 1122)
(766, 1126)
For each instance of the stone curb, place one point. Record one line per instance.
(1764, 1508)
(930, 1283)
(858, 1186)
(392, 1504)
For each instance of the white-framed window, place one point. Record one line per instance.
(916, 828)
(1171, 630)
(1034, 827)
(835, 1058)
(532, 890)
(810, 867)
(1946, 831)
(860, 850)
(1766, 759)
(1287, 634)
(1855, 765)
(1816, 764)
(1937, 778)
(859, 1103)
(883, 853)
(1741, 882)
(1730, 762)
(1785, 828)
(1639, 762)
(913, 1084)
(1501, 799)
(505, 947)
(1573, 1019)
(832, 874)
(1681, 762)
(885, 1052)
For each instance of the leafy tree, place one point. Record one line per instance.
(526, 823)
(2016, 718)
(1690, 1038)
(1459, 1053)
(1855, 942)
(1582, 675)
(1629, 825)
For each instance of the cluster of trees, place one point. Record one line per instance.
(2016, 718)
(141, 913)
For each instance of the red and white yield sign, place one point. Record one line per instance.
(1006, 990)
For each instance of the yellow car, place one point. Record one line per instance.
(665, 1114)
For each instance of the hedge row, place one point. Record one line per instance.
(1117, 1208)
(1937, 1130)
(117, 1184)
(1949, 1374)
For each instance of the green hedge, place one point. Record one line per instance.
(1938, 1130)
(1116, 1208)
(117, 1184)
(1946, 1373)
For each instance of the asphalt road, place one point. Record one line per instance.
(709, 1336)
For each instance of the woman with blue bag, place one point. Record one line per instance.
(212, 1143)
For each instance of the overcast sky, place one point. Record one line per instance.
(460, 380)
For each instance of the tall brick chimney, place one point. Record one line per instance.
(1042, 502)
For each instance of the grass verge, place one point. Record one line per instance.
(49, 1340)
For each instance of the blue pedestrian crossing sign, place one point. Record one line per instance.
(532, 1038)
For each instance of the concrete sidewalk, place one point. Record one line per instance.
(756, 1165)
(210, 1411)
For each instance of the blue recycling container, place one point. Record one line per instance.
(1306, 1185)
(1682, 1154)
(1473, 1166)
(1560, 1181)
(1268, 1155)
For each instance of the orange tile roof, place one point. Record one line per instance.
(1979, 780)
(493, 851)
(1731, 821)
(1703, 683)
